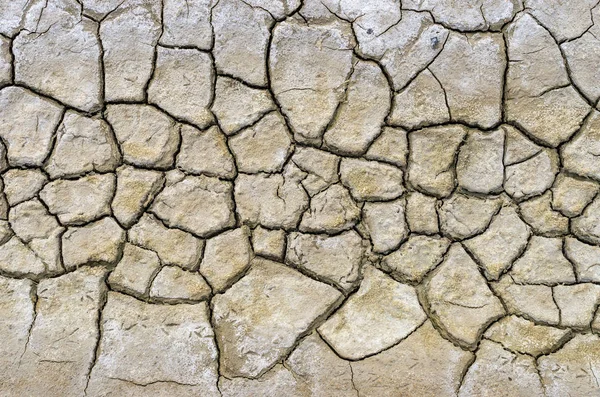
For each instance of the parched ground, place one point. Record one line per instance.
(300, 198)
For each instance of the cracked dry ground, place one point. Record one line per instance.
(299, 198)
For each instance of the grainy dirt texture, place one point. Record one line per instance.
(290, 198)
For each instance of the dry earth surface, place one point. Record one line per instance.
(300, 198)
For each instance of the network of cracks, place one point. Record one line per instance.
(299, 198)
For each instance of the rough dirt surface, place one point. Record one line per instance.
(300, 198)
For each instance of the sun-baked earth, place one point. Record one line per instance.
(300, 198)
